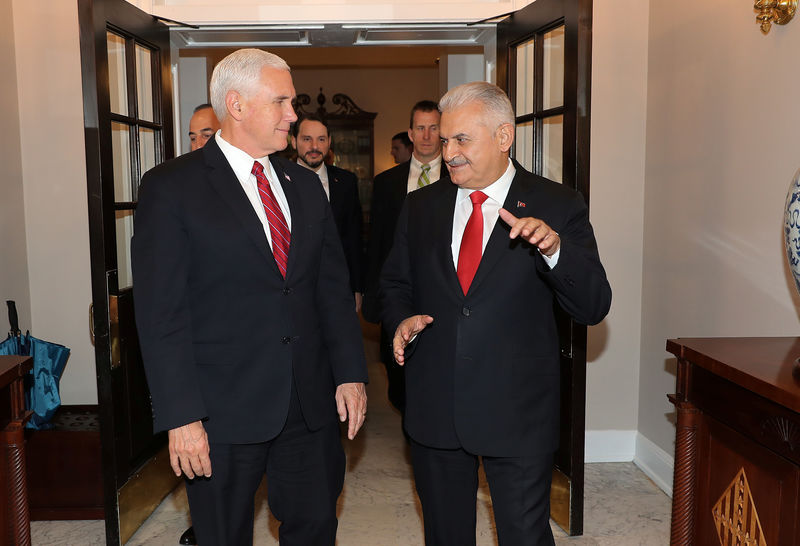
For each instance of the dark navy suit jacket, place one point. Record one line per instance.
(343, 186)
(223, 334)
(484, 376)
(388, 194)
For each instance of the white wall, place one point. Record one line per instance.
(722, 146)
(193, 91)
(464, 69)
(54, 173)
(13, 250)
(619, 72)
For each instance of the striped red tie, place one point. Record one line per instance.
(278, 228)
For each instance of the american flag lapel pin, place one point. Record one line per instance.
(520, 205)
(287, 177)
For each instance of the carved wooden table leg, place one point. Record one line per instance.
(18, 516)
(683, 488)
(12, 438)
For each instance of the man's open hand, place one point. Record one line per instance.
(189, 450)
(351, 401)
(406, 331)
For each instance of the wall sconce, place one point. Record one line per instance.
(774, 11)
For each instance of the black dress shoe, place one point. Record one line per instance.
(188, 537)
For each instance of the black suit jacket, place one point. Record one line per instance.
(343, 186)
(223, 335)
(485, 374)
(389, 191)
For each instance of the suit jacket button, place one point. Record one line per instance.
(465, 311)
(287, 291)
(285, 340)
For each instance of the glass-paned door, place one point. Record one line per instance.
(128, 130)
(137, 141)
(539, 98)
(544, 63)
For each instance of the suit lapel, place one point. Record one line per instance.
(296, 210)
(442, 232)
(333, 186)
(224, 181)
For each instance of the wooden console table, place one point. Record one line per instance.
(14, 517)
(737, 452)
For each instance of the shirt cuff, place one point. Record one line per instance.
(552, 261)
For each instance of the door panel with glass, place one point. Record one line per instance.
(544, 63)
(127, 119)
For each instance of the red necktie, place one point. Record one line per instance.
(277, 222)
(469, 255)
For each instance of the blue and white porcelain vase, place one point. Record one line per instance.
(791, 228)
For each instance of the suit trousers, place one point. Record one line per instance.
(305, 475)
(447, 485)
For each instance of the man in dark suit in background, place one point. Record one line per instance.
(402, 147)
(202, 126)
(479, 259)
(388, 194)
(311, 139)
(245, 318)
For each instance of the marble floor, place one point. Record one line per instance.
(379, 506)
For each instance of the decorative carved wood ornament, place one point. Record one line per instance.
(735, 515)
(346, 107)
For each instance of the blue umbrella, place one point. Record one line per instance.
(49, 359)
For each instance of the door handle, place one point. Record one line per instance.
(113, 320)
(91, 321)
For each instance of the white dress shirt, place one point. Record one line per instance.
(322, 172)
(496, 192)
(242, 165)
(416, 170)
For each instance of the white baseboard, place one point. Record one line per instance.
(610, 446)
(655, 462)
(616, 446)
